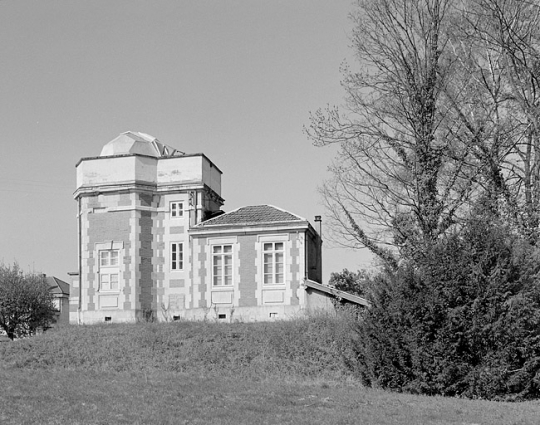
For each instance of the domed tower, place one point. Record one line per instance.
(136, 203)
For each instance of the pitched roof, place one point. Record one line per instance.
(57, 286)
(253, 214)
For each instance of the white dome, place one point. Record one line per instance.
(134, 142)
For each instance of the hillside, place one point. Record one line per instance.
(199, 372)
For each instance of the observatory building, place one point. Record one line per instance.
(154, 243)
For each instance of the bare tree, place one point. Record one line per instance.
(401, 175)
(497, 45)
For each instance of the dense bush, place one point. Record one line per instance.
(353, 283)
(463, 321)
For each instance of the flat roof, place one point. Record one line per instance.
(91, 158)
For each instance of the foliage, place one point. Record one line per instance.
(443, 106)
(443, 111)
(25, 302)
(495, 96)
(464, 321)
(347, 281)
(398, 177)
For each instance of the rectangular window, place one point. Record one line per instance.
(108, 270)
(108, 258)
(273, 266)
(177, 209)
(108, 281)
(222, 265)
(177, 256)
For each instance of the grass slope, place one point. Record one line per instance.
(309, 348)
(194, 373)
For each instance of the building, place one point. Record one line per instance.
(252, 262)
(60, 292)
(154, 243)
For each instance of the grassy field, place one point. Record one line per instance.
(211, 373)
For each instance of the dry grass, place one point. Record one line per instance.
(195, 373)
(289, 350)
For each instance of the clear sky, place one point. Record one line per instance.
(232, 79)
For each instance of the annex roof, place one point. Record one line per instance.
(336, 293)
(57, 286)
(134, 142)
(252, 215)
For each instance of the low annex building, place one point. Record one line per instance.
(154, 243)
(60, 292)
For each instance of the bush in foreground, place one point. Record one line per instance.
(463, 321)
(25, 302)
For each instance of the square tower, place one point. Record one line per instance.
(136, 203)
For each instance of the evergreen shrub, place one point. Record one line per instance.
(464, 320)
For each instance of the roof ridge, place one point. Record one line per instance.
(253, 214)
(288, 212)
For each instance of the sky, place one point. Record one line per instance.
(235, 80)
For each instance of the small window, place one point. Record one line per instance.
(177, 209)
(176, 318)
(222, 265)
(273, 259)
(177, 256)
(108, 258)
(273, 315)
(108, 281)
(222, 316)
(108, 318)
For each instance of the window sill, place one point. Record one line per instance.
(223, 288)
